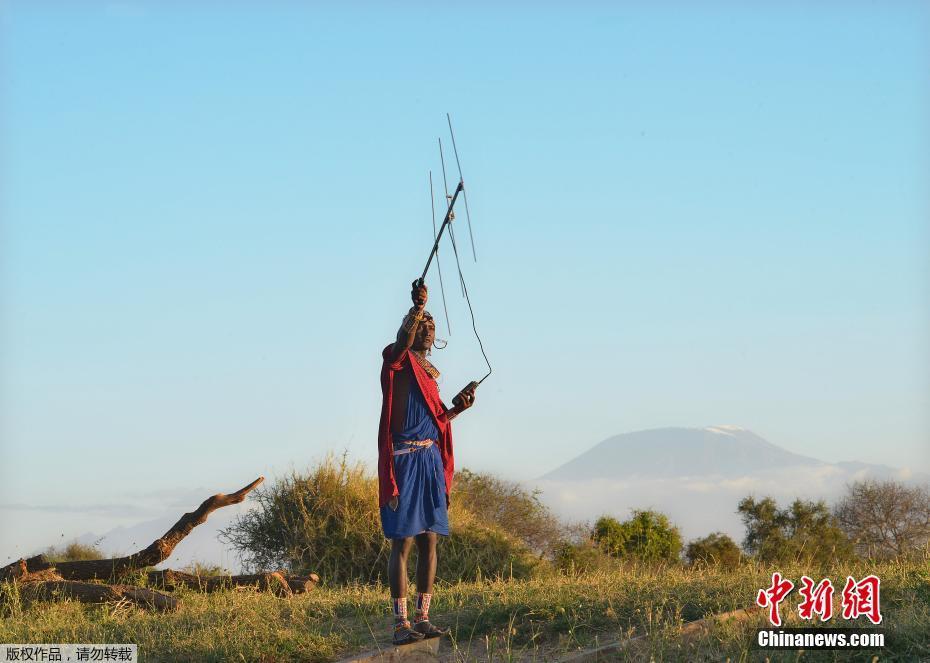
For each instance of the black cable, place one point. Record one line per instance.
(471, 312)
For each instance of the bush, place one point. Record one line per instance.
(885, 519)
(204, 569)
(806, 532)
(610, 536)
(476, 550)
(647, 536)
(73, 552)
(328, 522)
(582, 557)
(510, 506)
(325, 522)
(715, 549)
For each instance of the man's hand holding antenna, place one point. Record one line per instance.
(419, 294)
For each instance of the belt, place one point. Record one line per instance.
(410, 446)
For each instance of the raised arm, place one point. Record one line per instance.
(408, 328)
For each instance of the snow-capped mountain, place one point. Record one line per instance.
(697, 476)
(680, 452)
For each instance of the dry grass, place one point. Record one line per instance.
(538, 619)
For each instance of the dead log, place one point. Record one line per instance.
(40, 576)
(21, 567)
(274, 582)
(46, 585)
(13, 571)
(302, 584)
(157, 552)
(90, 592)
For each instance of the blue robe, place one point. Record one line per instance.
(421, 503)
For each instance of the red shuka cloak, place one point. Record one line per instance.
(387, 485)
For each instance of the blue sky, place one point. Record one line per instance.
(684, 215)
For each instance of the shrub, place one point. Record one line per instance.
(582, 557)
(885, 519)
(328, 522)
(73, 552)
(805, 532)
(199, 568)
(647, 536)
(510, 506)
(325, 522)
(715, 549)
(610, 536)
(476, 550)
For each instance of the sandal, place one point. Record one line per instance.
(430, 630)
(404, 635)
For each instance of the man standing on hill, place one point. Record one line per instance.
(415, 464)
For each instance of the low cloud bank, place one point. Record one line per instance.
(702, 504)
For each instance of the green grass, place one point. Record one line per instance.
(537, 619)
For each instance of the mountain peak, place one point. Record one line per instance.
(721, 450)
(726, 429)
(696, 476)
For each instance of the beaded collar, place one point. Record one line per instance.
(426, 365)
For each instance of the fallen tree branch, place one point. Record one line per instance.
(40, 579)
(22, 567)
(13, 571)
(157, 552)
(302, 584)
(91, 592)
(274, 581)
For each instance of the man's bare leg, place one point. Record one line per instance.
(426, 574)
(397, 576)
(426, 562)
(397, 566)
